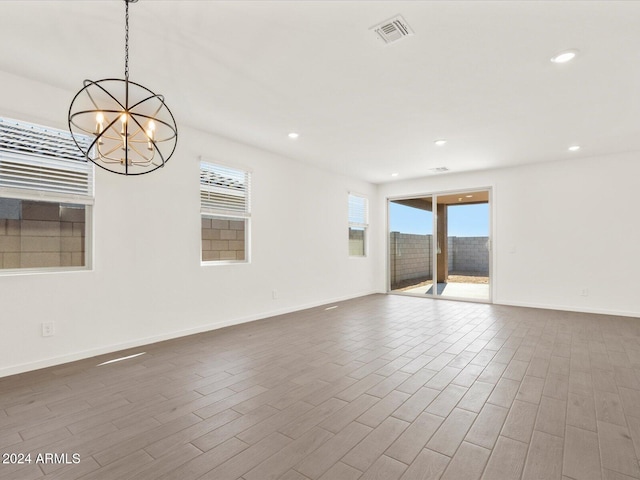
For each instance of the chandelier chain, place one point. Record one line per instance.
(126, 40)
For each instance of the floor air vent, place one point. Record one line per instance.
(393, 30)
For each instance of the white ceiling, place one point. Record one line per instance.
(476, 73)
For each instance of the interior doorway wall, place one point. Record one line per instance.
(440, 245)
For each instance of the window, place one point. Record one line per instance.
(46, 193)
(358, 223)
(225, 208)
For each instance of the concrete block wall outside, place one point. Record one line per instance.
(223, 239)
(45, 235)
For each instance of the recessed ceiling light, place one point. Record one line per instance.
(564, 57)
(440, 143)
(469, 196)
(294, 135)
(574, 148)
(394, 174)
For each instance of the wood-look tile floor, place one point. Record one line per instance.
(381, 387)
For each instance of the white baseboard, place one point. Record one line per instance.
(565, 308)
(83, 354)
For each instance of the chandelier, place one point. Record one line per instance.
(132, 131)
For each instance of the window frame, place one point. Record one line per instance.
(352, 217)
(60, 167)
(209, 209)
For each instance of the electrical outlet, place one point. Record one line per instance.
(584, 292)
(48, 329)
(274, 294)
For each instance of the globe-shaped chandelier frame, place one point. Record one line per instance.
(140, 144)
(132, 131)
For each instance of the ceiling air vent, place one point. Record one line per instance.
(393, 30)
(439, 169)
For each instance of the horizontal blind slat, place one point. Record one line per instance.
(43, 159)
(40, 195)
(211, 212)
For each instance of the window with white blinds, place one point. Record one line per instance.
(224, 190)
(358, 223)
(43, 163)
(358, 215)
(46, 198)
(225, 207)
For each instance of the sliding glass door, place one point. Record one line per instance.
(439, 245)
(411, 245)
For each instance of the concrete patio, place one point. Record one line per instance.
(473, 291)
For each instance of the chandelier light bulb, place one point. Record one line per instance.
(99, 124)
(123, 121)
(150, 133)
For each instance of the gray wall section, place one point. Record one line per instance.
(469, 255)
(411, 257)
(10, 208)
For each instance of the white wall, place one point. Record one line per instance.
(558, 228)
(147, 283)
